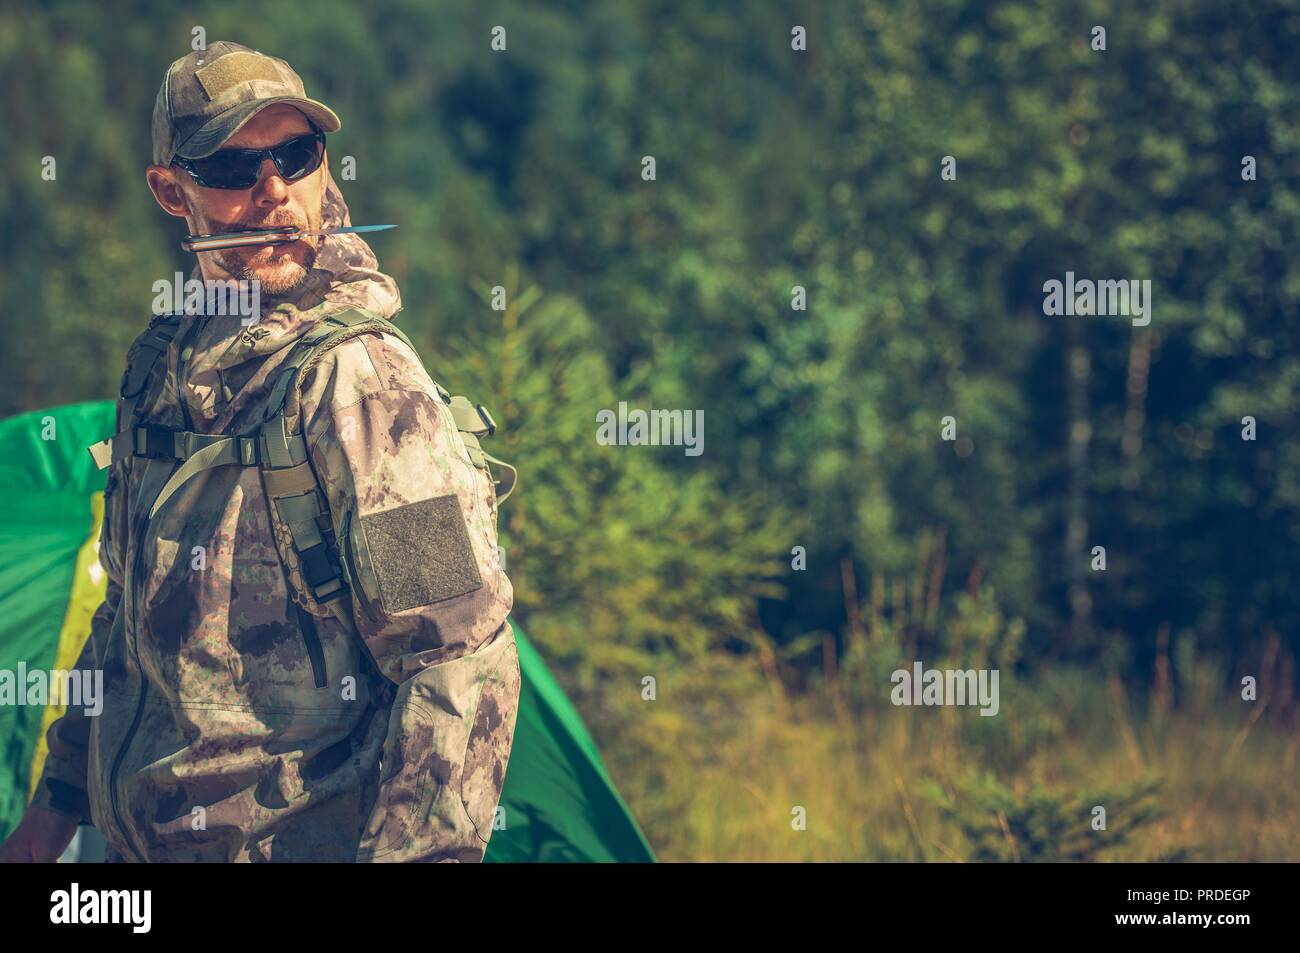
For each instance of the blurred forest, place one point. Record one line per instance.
(778, 168)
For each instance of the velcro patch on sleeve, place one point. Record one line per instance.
(421, 553)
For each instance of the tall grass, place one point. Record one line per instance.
(720, 765)
(725, 788)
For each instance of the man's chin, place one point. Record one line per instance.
(278, 279)
(275, 275)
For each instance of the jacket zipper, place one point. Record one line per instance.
(139, 707)
(135, 644)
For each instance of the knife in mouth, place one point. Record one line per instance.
(274, 235)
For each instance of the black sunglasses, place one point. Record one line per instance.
(240, 168)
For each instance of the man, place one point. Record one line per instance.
(302, 664)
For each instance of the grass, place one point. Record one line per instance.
(716, 768)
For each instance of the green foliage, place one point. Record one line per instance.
(1041, 824)
(778, 169)
(910, 618)
(622, 566)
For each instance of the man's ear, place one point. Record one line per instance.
(166, 189)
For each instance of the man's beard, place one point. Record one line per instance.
(280, 278)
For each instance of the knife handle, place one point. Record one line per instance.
(274, 235)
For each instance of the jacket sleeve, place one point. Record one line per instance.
(415, 523)
(63, 782)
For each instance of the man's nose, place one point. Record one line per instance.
(271, 188)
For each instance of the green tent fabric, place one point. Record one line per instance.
(560, 802)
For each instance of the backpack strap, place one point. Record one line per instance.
(287, 474)
(133, 440)
(329, 332)
(273, 446)
(472, 420)
(217, 451)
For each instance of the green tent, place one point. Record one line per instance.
(560, 802)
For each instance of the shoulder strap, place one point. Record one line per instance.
(144, 354)
(472, 420)
(328, 333)
(274, 446)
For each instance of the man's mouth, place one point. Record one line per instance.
(258, 239)
(273, 249)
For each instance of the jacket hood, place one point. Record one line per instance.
(228, 357)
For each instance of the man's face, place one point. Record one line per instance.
(271, 201)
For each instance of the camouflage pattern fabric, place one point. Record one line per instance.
(242, 721)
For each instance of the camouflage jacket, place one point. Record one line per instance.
(242, 720)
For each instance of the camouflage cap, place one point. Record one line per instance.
(208, 96)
